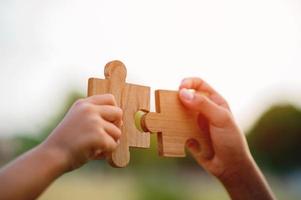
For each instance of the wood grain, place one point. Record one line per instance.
(174, 125)
(130, 98)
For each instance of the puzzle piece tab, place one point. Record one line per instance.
(174, 125)
(130, 98)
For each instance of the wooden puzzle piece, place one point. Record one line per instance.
(130, 98)
(174, 125)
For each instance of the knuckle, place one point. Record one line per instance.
(200, 100)
(87, 108)
(119, 112)
(118, 133)
(79, 102)
(94, 121)
(225, 117)
(101, 131)
(84, 106)
(113, 130)
(196, 80)
(200, 80)
(110, 97)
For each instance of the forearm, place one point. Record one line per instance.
(30, 174)
(248, 184)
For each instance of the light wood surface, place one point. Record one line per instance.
(174, 125)
(130, 98)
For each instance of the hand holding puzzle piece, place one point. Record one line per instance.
(172, 122)
(130, 98)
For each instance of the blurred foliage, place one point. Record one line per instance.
(276, 138)
(149, 158)
(27, 141)
(166, 188)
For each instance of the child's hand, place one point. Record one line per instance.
(232, 162)
(215, 118)
(90, 129)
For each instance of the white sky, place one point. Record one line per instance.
(250, 51)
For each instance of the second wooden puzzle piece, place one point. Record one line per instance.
(130, 98)
(174, 125)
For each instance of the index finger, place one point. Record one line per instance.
(200, 85)
(102, 99)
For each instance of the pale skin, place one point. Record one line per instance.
(91, 130)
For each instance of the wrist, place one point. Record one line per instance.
(247, 182)
(238, 171)
(55, 156)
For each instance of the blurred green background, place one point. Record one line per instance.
(274, 141)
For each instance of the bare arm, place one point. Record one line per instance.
(248, 183)
(29, 175)
(232, 162)
(90, 129)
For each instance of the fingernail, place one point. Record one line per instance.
(187, 94)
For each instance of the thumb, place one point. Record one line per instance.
(198, 102)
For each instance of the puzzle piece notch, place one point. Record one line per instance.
(129, 98)
(174, 125)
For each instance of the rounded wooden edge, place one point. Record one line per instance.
(116, 163)
(116, 69)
